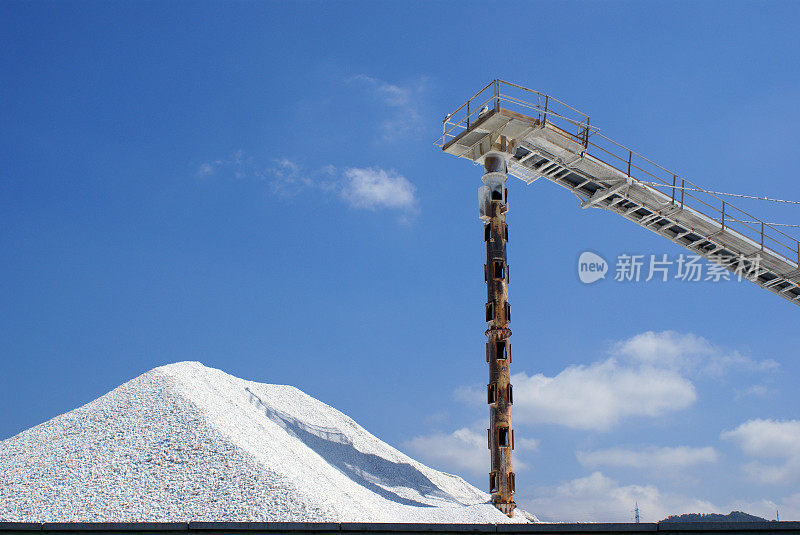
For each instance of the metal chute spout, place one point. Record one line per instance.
(485, 203)
(495, 176)
(495, 162)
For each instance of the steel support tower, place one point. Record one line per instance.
(542, 137)
(492, 199)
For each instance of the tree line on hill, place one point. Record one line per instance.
(733, 516)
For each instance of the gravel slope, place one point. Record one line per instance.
(186, 442)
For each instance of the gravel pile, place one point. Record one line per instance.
(185, 442)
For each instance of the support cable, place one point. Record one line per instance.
(660, 185)
(770, 224)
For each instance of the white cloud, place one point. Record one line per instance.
(688, 353)
(370, 188)
(402, 103)
(235, 164)
(647, 375)
(789, 508)
(598, 498)
(288, 178)
(520, 443)
(597, 396)
(776, 441)
(767, 438)
(373, 188)
(666, 348)
(600, 395)
(758, 390)
(394, 95)
(463, 451)
(649, 457)
(205, 169)
(437, 418)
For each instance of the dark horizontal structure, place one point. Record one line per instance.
(303, 528)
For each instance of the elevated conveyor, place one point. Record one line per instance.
(545, 138)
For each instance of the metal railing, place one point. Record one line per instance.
(575, 126)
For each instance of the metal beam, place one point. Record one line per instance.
(602, 194)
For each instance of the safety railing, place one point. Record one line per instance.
(494, 93)
(575, 126)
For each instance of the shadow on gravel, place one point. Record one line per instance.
(368, 470)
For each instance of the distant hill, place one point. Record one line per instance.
(733, 516)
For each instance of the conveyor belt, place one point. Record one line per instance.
(538, 147)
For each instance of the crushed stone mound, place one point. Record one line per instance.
(185, 442)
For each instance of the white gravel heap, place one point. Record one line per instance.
(185, 442)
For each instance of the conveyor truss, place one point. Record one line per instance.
(546, 138)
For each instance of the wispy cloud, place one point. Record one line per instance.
(368, 188)
(463, 451)
(232, 165)
(402, 104)
(650, 457)
(288, 178)
(205, 169)
(598, 498)
(688, 353)
(775, 446)
(757, 390)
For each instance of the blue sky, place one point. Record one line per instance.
(254, 186)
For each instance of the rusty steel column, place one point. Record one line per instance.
(493, 207)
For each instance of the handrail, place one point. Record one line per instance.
(538, 93)
(554, 112)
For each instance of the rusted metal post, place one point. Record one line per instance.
(723, 215)
(683, 188)
(586, 135)
(493, 207)
(673, 188)
(630, 159)
(546, 102)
